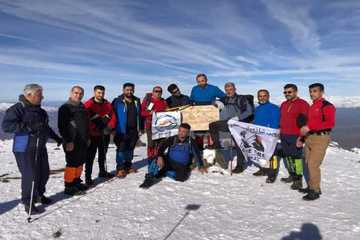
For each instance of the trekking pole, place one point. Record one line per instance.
(231, 155)
(33, 180)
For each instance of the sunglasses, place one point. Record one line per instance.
(158, 91)
(288, 92)
(176, 91)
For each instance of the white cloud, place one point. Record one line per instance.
(297, 19)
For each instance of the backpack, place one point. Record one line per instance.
(324, 104)
(250, 99)
(147, 98)
(302, 119)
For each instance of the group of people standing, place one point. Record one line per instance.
(86, 129)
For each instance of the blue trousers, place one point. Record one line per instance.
(32, 170)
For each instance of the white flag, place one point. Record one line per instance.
(165, 124)
(257, 143)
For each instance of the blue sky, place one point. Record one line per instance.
(256, 44)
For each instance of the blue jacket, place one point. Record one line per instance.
(267, 115)
(120, 109)
(180, 152)
(206, 95)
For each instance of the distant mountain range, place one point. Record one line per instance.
(346, 132)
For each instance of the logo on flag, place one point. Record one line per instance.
(257, 143)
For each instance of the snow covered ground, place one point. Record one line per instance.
(221, 206)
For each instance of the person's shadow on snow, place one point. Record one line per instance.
(7, 206)
(308, 231)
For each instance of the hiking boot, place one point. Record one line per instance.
(73, 191)
(121, 174)
(34, 209)
(219, 159)
(106, 175)
(260, 172)
(288, 179)
(131, 170)
(149, 181)
(89, 182)
(270, 179)
(238, 169)
(81, 187)
(44, 200)
(271, 176)
(312, 195)
(296, 185)
(307, 190)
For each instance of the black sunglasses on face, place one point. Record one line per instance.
(158, 91)
(288, 92)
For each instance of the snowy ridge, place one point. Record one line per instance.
(212, 206)
(356, 150)
(338, 101)
(345, 102)
(4, 106)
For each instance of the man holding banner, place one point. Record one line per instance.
(231, 106)
(152, 103)
(267, 114)
(204, 94)
(257, 143)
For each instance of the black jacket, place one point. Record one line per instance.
(25, 118)
(73, 122)
(241, 106)
(178, 101)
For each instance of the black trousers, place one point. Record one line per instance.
(98, 144)
(222, 126)
(78, 156)
(289, 148)
(293, 155)
(215, 128)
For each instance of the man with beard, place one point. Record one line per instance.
(73, 123)
(293, 115)
(267, 114)
(129, 125)
(102, 122)
(232, 106)
(204, 93)
(30, 125)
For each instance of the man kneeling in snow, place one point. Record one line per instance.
(181, 150)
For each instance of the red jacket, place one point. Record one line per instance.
(160, 105)
(321, 116)
(100, 109)
(290, 112)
